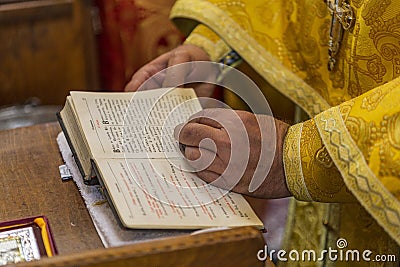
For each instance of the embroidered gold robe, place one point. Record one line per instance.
(343, 163)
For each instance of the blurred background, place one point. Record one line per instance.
(50, 47)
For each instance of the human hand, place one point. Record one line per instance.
(145, 78)
(236, 150)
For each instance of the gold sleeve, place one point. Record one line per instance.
(348, 152)
(210, 42)
(310, 172)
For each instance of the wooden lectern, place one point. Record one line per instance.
(30, 185)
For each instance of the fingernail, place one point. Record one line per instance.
(177, 130)
(182, 148)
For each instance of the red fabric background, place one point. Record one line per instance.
(133, 33)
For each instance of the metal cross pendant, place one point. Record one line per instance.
(342, 19)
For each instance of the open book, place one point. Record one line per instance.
(125, 142)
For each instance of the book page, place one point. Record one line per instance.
(134, 125)
(156, 194)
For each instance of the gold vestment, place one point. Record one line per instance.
(343, 164)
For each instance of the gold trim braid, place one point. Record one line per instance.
(357, 175)
(203, 37)
(270, 68)
(292, 164)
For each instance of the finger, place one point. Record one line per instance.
(142, 79)
(214, 116)
(202, 89)
(214, 179)
(148, 71)
(208, 176)
(206, 117)
(192, 134)
(206, 121)
(137, 79)
(203, 159)
(177, 72)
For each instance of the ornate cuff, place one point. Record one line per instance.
(292, 164)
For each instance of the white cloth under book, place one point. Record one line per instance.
(107, 226)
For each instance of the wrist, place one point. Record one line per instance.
(281, 132)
